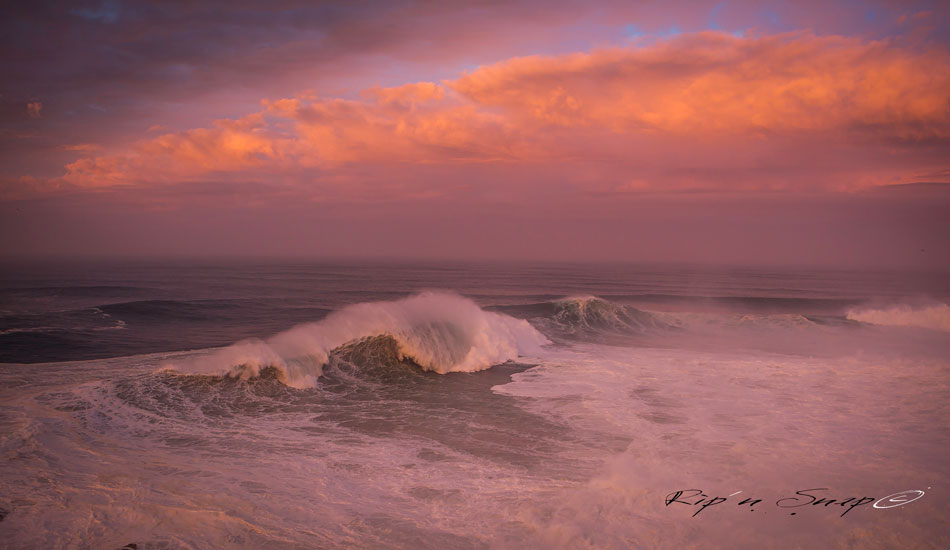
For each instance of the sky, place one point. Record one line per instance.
(728, 132)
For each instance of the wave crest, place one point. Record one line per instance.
(592, 313)
(935, 317)
(440, 332)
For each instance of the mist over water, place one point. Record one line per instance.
(471, 406)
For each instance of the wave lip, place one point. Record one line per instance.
(440, 332)
(935, 317)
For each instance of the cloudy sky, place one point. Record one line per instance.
(725, 131)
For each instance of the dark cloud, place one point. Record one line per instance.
(115, 53)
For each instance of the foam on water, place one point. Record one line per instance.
(935, 317)
(343, 434)
(766, 424)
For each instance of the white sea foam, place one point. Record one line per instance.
(936, 317)
(441, 332)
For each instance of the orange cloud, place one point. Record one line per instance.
(83, 147)
(415, 123)
(707, 110)
(722, 84)
(34, 109)
(229, 146)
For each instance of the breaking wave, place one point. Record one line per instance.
(586, 316)
(439, 332)
(590, 312)
(935, 317)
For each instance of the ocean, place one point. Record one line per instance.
(434, 405)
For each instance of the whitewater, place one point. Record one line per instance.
(440, 332)
(472, 406)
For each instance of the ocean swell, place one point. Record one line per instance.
(440, 332)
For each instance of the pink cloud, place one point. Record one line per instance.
(702, 111)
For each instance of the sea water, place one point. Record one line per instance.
(398, 405)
